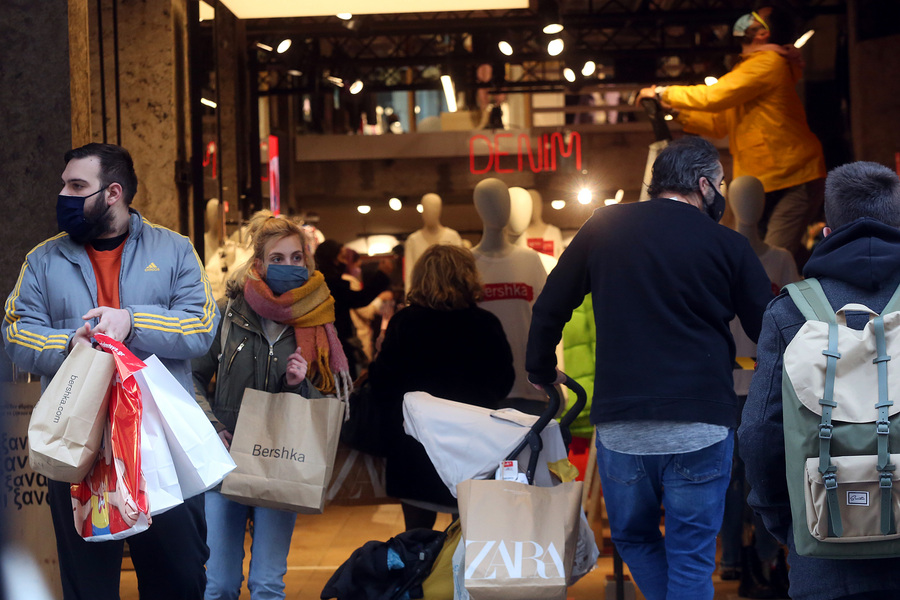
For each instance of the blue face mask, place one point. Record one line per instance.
(70, 218)
(282, 278)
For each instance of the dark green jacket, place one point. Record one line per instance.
(246, 361)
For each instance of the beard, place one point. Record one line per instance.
(99, 221)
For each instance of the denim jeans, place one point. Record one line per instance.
(226, 522)
(691, 487)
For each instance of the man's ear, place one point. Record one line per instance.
(826, 231)
(114, 193)
(763, 35)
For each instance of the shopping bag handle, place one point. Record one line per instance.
(533, 438)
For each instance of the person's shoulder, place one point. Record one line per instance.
(157, 232)
(47, 247)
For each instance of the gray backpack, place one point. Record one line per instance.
(841, 427)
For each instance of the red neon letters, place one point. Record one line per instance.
(538, 159)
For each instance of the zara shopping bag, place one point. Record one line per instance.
(201, 460)
(67, 424)
(519, 539)
(284, 446)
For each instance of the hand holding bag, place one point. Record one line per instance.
(519, 539)
(284, 446)
(67, 424)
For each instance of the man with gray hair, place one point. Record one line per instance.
(858, 262)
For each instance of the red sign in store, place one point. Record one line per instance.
(542, 157)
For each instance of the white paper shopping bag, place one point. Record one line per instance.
(200, 458)
(157, 465)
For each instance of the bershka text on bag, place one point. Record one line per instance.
(65, 398)
(282, 453)
(512, 556)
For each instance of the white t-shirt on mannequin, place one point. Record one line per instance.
(549, 243)
(416, 245)
(511, 285)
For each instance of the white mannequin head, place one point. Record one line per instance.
(492, 203)
(431, 210)
(212, 216)
(747, 199)
(520, 210)
(537, 206)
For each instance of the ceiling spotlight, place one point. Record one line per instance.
(558, 204)
(335, 80)
(710, 80)
(208, 103)
(668, 118)
(505, 47)
(356, 87)
(449, 92)
(585, 196)
(569, 74)
(344, 16)
(395, 204)
(619, 195)
(555, 47)
(804, 38)
(589, 68)
(283, 46)
(552, 28)
(265, 47)
(364, 209)
(548, 10)
(294, 72)
(419, 208)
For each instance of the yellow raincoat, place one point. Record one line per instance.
(757, 106)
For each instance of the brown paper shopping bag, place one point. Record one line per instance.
(67, 424)
(519, 539)
(284, 447)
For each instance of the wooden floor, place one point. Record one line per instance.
(322, 542)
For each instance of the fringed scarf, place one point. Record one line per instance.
(309, 309)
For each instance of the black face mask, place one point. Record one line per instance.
(715, 208)
(82, 227)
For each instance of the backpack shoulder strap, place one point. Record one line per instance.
(893, 304)
(226, 327)
(811, 301)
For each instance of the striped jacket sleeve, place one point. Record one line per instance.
(32, 344)
(185, 328)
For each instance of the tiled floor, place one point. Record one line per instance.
(322, 542)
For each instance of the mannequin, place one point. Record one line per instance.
(431, 233)
(541, 236)
(513, 278)
(747, 199)
(222, 255)
(521, 208)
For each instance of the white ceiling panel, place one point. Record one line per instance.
(267, 9)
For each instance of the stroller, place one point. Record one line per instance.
(433, 421)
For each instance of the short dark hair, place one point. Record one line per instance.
(116, 166)
(862, 189)
(679, 167)
(327, 258)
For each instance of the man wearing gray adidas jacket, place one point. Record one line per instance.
(859, 261)
(111, 271)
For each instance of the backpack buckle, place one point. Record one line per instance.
(830, 481)
(825, 431)
(882, 427)
(885, 481)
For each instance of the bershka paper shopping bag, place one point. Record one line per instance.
(519, 539)
(284, 446)
(67, 424)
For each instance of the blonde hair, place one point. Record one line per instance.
(445, 278)
(264, 228)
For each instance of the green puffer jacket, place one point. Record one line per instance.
(247, 361)
(579, 351)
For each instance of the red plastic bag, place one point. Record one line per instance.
(111, 502)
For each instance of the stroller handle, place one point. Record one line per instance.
(533, 437)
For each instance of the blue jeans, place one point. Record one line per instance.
(691, 487)
(226, 522)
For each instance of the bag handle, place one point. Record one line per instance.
(841, 314)
(810, 300)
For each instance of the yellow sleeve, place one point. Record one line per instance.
(709, 124)
(759, 73)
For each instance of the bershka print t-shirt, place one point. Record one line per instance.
(511, 285)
